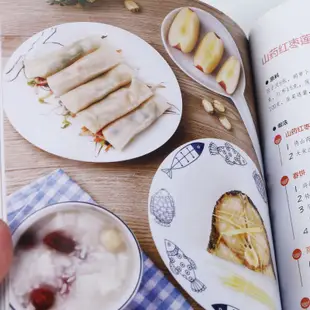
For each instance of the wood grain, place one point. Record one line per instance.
(121, 187)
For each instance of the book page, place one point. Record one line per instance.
(244, 12)
(280, 45)
(4, 305)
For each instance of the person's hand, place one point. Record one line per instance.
(6, 250)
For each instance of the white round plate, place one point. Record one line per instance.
(40, 124)
(182, 198)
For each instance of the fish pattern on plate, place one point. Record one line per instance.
(223, 307)
(162, 206)
(260, 185)
(228, 152)
(180, 264)
(184, 157)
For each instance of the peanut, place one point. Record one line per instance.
(208, 106)
(218, 106)
(225, 122)
(132, 6)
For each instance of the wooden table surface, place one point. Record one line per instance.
(121, 187)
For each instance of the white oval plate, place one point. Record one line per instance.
(41, 126)
(186, 61)
(187, 196)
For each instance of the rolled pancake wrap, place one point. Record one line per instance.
(85, 95)
(114, 106)
(55, 61)
(122, 131)
(84, 70)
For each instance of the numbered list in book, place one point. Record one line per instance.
(283, 78)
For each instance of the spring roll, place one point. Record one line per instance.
(120, 133)
(84, 70)
(55, 61)
(85, 95)
(114, 106)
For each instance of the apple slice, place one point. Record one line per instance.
(184, 31)
(229, 74)
(209, 53)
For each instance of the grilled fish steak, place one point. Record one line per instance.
(238, 234)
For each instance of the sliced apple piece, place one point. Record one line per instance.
(229, 74)
(209, 53)
(184, 31)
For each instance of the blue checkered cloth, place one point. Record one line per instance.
(155, 293)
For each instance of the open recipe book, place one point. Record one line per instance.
(270, 239)
(279, 47)
(259, 233)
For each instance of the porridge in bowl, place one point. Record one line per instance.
(74, 260)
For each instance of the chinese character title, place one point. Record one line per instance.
(297, 130)
(285, 47)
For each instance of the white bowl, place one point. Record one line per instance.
(136, 253)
